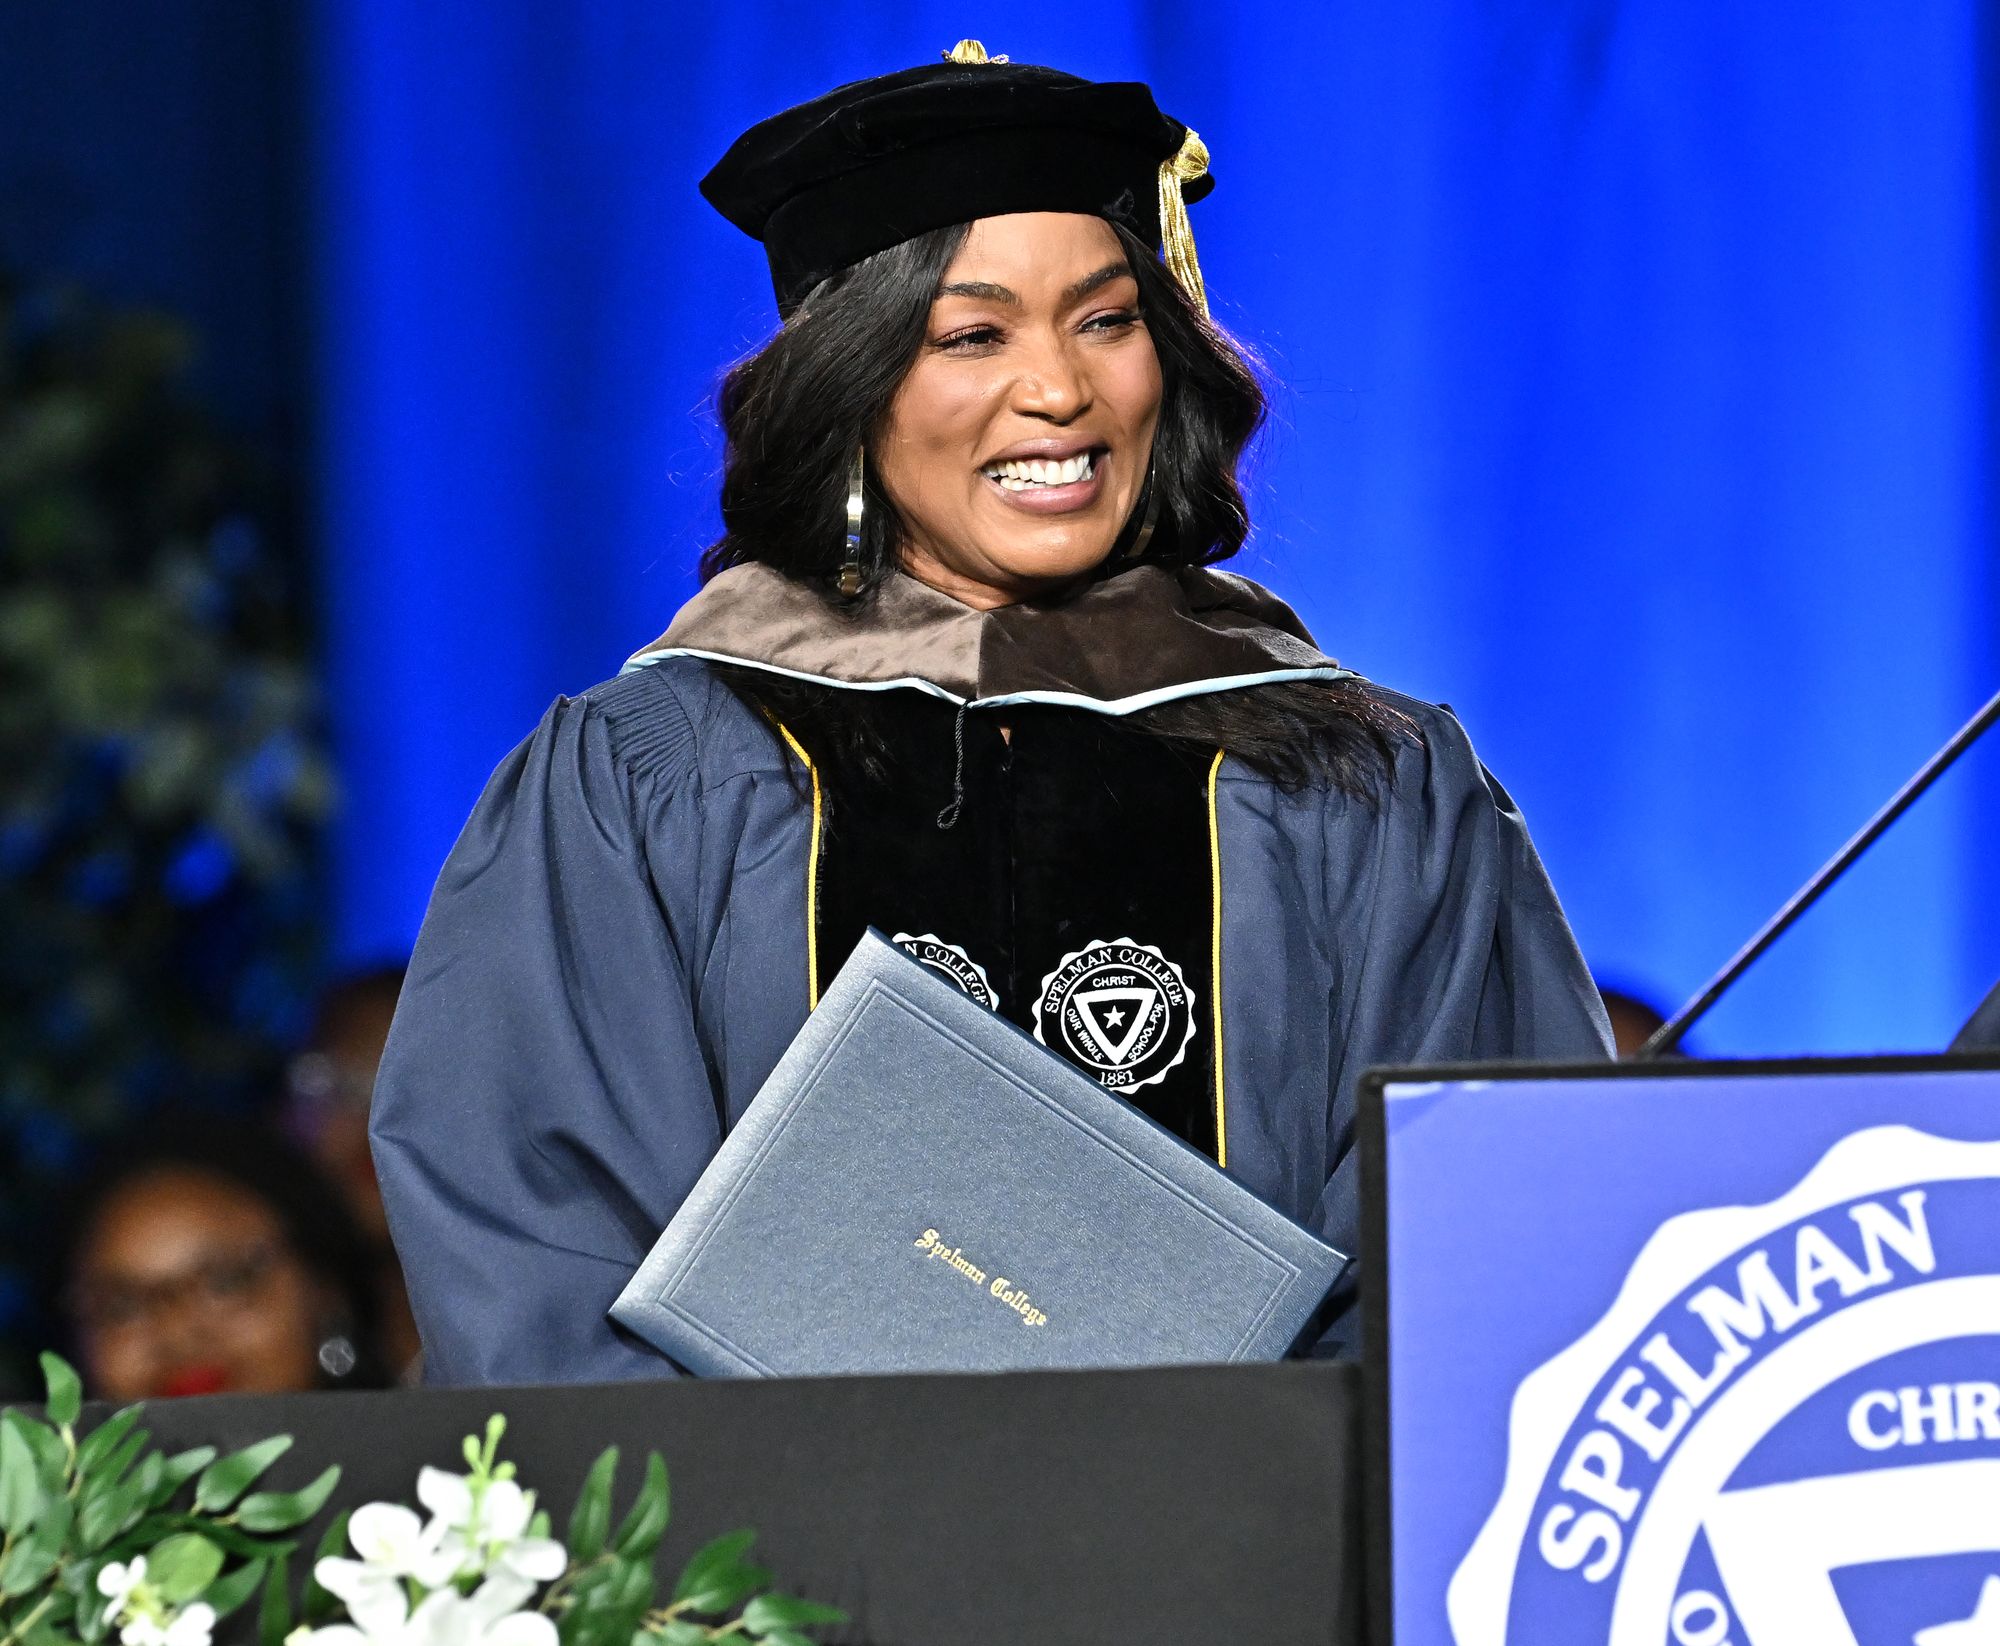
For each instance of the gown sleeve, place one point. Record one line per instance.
(1466, 957)
(543, 1103)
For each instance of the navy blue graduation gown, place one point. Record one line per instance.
(618, 950)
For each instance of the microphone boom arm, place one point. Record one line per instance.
(1668, 1035)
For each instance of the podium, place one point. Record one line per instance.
(1696, 1352)
(1184, 1505)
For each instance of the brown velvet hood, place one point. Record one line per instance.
(1144, 636)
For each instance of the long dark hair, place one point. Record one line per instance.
(794, 412)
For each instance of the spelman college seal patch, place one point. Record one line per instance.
(949, 961)
(1786, 1428)
(1120, 1009)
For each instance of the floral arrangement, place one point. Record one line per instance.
(99, 1536)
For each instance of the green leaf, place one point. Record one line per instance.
(65, 1389)
(224, 1481)
(26, 1565)
(768, 1612)
(182, 1566)
(93, 1613)
(281, 1511)
(32, 1559)
(230, 1591)
(609, 1603)
(21, 1494)
(179, 1470)
(639, 1536)
(785, 1637)
(100, 1442)
(676, 1631)
(116, 1460)
(51, 1456)
(274, 1615)
(318, 1604)
(137, 1492)
(49, 1632)
(110, 1510)
(590, 1520)
(61, 1608)
(716, 1579)
(230, 1539)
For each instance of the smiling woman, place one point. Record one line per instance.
(961, 670)
(1018, 443)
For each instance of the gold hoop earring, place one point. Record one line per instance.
(1147, 521)
(850, 566)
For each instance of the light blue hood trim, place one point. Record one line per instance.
(1068, 700)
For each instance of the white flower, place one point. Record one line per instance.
(394, 1545)
(143, 1619)
(446, 1618)
(532, 1560)
(190, 1626)
(487, 1617)
(391, 1538)
(373, 1595)
(490, 1537)
(117, 1581)
(447, 1496)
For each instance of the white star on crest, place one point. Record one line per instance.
(1115, 1016)
(1980, 1629)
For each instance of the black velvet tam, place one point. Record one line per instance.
(871, 164)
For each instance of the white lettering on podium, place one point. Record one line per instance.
(1588, 1534)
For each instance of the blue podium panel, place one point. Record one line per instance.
(1690, 1355)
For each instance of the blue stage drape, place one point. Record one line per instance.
(1631, 366)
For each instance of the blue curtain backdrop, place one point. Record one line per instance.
(1632, 399)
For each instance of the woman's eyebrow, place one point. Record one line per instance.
(984, 290)
(1078, 290)
(988, 292)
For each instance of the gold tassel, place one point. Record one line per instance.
(1176, 234)
(969, 51)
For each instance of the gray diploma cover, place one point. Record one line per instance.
(920, 1187)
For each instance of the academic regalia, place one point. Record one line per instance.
(657, 883)
(634, 924)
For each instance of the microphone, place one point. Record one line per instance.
(1668, 1035)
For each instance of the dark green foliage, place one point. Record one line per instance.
(69, 1508)
(162, 778)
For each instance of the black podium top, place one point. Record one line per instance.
(1185, 1505)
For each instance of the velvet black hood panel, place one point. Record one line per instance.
(1145, 636)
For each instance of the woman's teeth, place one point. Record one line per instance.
(1018, 476)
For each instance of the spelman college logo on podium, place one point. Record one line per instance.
(1785, 1429)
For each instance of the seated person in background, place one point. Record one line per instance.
(206, 1256)
(1633, 1021)
(330, 1086)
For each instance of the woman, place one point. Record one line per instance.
(958, 671)
(209, 1257)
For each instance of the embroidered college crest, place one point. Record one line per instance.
(949, 960)
(1786, 1426)
(1120, 1009)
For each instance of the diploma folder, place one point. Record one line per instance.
(921, 1187)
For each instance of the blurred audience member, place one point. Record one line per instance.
(332, 1081)
(1633, 1020)
(209, 1256)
